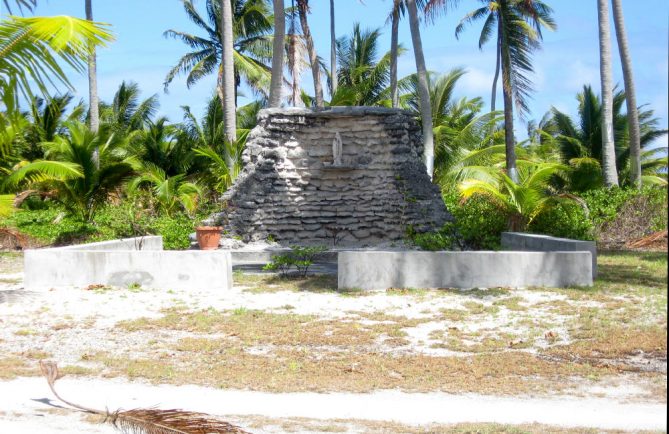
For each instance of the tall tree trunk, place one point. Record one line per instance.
(423, 88)
(333, 50)
(276, 85)
(303, 7)
(394, 47)
(93, 99)
(228, 73)
(498, 65)
(608, 146)
(630, 94)
(507, 92)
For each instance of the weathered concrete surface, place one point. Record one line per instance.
(382, 270)
(152, 242)
(544, 243)
(293, 189)
(121, 264)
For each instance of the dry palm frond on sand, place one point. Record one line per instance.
(147, 421)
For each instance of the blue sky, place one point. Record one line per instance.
(568, 60)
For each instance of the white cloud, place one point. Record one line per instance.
(577, 74)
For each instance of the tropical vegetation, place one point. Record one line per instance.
(86, 165)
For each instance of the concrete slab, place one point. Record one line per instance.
(519, 241)
(374, 270)
(122, 263)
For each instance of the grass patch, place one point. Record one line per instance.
(228, 366)
(253, 327)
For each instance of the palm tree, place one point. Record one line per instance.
(252, 26)
(34, 51)
(521, 201)
(219, 160)
(518, 25)
(581, 140)
(462, 134)
(276, 84)
(70, 172)
(158, 144)
(227, 65)
(127, 114)
(28, 4)
(333, 49)
(363, 77)
(423, 88)
(608, 145)
(303, 9)
(171, 192)
(630, 93)
(394, 47)
(93, 100)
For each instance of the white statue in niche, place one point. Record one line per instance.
(337, 150)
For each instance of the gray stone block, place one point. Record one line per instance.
(379, 270)
(545, 243)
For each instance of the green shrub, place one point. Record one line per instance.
(567, 220)
(443, 239)
(175, 230)
(299, 257)
(478, 222)
(52, 226)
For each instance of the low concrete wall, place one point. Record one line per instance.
(153, 242)
(121, 264)
(410, 269)
(544, 243)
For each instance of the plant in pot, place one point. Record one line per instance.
(208, 237)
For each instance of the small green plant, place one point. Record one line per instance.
(444, 239)
(299, 257)
(134, 286)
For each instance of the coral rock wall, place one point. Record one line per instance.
(345, 176)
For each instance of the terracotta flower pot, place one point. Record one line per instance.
(208, 237)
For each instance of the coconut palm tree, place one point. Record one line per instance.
(581, 139)
(227, 65)
(276, 84)
(630, 93)
(171, 192)
(521, 201)
(518, 25)
(333, 49)
(303, 10)
(219, 161)
(394, 48)
(93, 99)
(70, 173)
(252, 27)
(36, 49)
(462, 133)
(363, 76)
(127, 114)
(606, 76)
(20, 4)
(423, 87)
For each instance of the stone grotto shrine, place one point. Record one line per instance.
(342, 176)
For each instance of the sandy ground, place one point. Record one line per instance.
(30, 320)
(25, 402)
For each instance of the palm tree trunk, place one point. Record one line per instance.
(333, 50)
(423, 88)
(498, 66)
(303, 7)
(630, 94)
(93, 99)
(394, 46)
(509, 139)
(608, 146)
(276, 83)
(228, 73)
